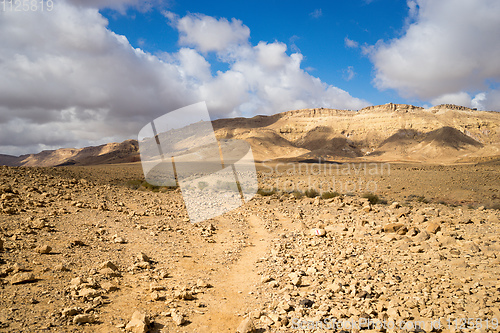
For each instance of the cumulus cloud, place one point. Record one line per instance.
(206, 33)
(67, 80)
(449, 51)
(459, 98)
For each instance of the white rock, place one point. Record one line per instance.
(246, 326)
(178, 318)
(83, 319)
(317, 232)
(138, 323)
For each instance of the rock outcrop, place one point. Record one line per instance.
(443, 133)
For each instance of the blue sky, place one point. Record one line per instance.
(95, 71)
(316, 29)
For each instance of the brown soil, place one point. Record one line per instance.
(91, 215)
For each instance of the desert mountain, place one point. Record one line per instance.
(126, 151)
(444, 133)
(391, 132)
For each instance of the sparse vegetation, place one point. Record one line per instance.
(329, 195)
(422, 199)
(372, 198)
(495, 206)
(142, 185)
(418, 198)
(266, 192)
(311, 193)
(298, 194)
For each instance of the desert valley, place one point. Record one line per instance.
(389, 214)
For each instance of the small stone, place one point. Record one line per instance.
(266, 320)
(76, 282)
(256, 314)
(119, 240)
(108, 272)
(88, 293)
(178, 318)
(45, 249)
(334, 287)
(185, 295)
(393, 227)
(156, 287)
(265, 279)
(246, 326)
(143, 265)
(109, 264)
(83, 319)
(202, 284)
(493, 219)
(142, 257)
(70, 312)
(61, 268)
(76, 242)
(419, 219)
(155, 296)
(395, 205)
(402, 231)
(471, 246)
(306, 303)
(285, 306)
(393, 312)
(138, 323)
(413, 231)
(23, 277)
(317, 232)
(1, 245)
(295, 279)
(108, 286)
(39, 223)
(422, 236)
(432, 227)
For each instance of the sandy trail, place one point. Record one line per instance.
(233, 292)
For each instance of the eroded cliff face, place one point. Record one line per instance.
(126, 151)
(331, 134)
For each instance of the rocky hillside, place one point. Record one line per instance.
(446, 133)
(127, 151)
(391, 132)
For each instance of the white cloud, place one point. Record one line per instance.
(350, 43)
(119, 5)
(67, 80)
(206, 33)
(317, 13)
(460, 98)
(349, 73)
(450, 50)
(478, 101)
(193, 64)
(412, 11)
(294, 46)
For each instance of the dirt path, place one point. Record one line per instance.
(233, 289)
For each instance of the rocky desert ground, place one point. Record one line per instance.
(95, 249)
